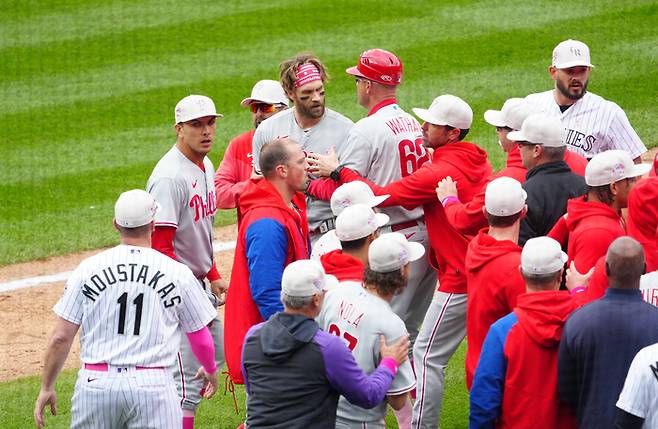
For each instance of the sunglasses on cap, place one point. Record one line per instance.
(263, 107)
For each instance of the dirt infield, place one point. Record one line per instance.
(27, 318)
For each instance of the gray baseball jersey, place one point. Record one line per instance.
(330, 132)
(186, 196)
(384, 147)
(130, 302)
(359, 318)
(593, 124)
(640, 393)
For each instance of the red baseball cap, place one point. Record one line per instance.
(379, 66)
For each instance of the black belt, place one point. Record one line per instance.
(325, 226)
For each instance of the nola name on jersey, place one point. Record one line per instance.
(134, 273)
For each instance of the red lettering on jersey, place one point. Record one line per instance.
(203, 210)
(412, 156)
(393, 126)
(350, 314)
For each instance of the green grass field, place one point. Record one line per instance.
(218, 413)
(88, 88)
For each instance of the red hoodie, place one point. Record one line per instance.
(643, 218)
(467, 164)
(530, 394)
(592, 227)
(342, 265)
(468, 217)
(259, 200)
(494, 282)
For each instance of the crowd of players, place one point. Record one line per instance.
(367, 252)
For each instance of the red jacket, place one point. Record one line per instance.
(234, 171)
(468, 165)
(342, 265)
(592, 227)
(260, 200)
(468, 217)
(643, 218)
(494, 282)
(515, 384)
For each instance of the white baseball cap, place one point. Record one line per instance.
(135, 208)
(504, 196)
(351, 193)
(266, 91)
(390, 252)
(447, 110)
(305, 278)
(512, 115)
(542, 255)
(612, 166)
(571, 53)
(358, 221)
(193, 107)
(540, 129)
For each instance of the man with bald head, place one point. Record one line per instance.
(601, 339)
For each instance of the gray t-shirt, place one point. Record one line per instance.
(359, 318)
(330, 132)
(186, 196)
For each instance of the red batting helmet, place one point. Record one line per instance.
(378, 65)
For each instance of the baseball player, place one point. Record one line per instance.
(637, 406)
(267, 98)
(384, 147)
(182, 184)
(593, 124)
(345, 196)
(359, 314)
(130, 301)
(313, 126)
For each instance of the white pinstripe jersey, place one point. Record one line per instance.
(593, 124)
(640, 393)
(330, 131)
(186, 196)
(384, 147)
(649, 287)
(130, 302)
(359, 317)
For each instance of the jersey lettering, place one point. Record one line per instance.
(350, 314)
(412, 156)
(350, 340)
(123, 309)
(201, 209)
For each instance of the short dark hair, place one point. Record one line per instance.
(603, 193)
(462, 132)
(502, 221)
(541, 280)
(273, 153)
(385, 283)
(288, 69)
(137, 232)
(354, 244)
(554, 153)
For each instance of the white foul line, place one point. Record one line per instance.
(218, 246)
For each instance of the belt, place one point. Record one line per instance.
(105, 367)
(325, 226)
(403, 225)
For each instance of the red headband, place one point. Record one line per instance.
(307, 73)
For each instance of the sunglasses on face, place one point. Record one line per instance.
(263, 107)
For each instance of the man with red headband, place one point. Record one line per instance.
(267, 98)
(313, 126)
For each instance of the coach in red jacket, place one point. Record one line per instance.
(273, 233)
(469, 217)
(492, 265)
(447, 122)
(515, 384)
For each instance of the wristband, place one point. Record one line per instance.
(577, 289)
(391, 364)
(335, 175)
(449, 199)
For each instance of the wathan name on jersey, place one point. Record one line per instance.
(134, 273)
